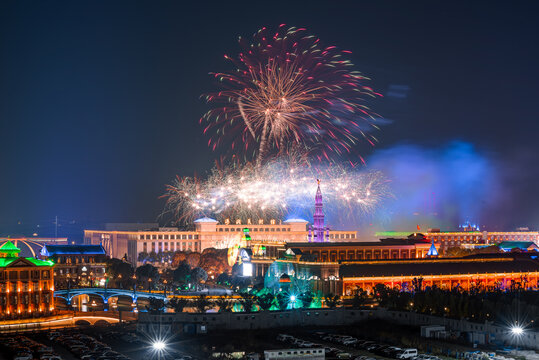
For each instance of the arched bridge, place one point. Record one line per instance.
(106, 294)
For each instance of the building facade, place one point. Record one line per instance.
(26, 284)
(208, 233)
(448, 239)
(76, 265)
(499, 271)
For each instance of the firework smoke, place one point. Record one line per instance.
(274, 190)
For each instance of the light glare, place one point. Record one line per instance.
(517, 330)
(159, 345)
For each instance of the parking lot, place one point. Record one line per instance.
(364, 341)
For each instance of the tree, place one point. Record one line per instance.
(193, 259)
(360, 298)
(457, 251)
(417, 284)
(283, 299)
(223, 303)
(332, 301)
(198, 275)
(182, 274)
(382, 294)
(147, 272)
(306, 299)
(120, 272)
(202, 303)
(142, 256)
(178, 304)
(223, 279)
(155, 305)
(265, 301)
(247, 301)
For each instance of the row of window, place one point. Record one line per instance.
(174, 246)
(342, 236)
(23, 286)
(445, 238)
(75, 260)
(367, 255)
(25, 275)
(231, 229)
(76, 270)
(168, 237)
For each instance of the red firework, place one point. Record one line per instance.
(288, 91)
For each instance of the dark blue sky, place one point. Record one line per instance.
(99, 100)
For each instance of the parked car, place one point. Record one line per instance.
(285, 337)
(349, 341)
(23, 357)
(406, 353)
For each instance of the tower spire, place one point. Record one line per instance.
(318, 227)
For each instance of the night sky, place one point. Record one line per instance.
(99, 100)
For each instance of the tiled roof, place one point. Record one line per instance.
(51, 250)
(8, 246)
(6, 261)
(439, 267)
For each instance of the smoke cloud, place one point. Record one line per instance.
(438, 188)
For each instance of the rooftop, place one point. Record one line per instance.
(381, 243)
(476, 265)
(51, 250)
(7, 261)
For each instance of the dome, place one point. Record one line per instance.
(205, 220)
(288, 221)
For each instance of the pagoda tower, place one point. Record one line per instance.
(318, 232)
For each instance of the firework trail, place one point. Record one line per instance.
(274, 189)
(287, 89)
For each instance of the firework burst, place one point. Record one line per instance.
(274, 190)
(288, 90)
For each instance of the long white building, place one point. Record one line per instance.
(207, 233)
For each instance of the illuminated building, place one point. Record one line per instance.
(82, 265)
(445, 240)
(207, 233)
(445, 273)
(332, 254)
(385, 249)
(344, 277)
(26, 284)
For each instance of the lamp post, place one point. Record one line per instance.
(150, 285)
(159, 347)
(517, 331)
(165, 287)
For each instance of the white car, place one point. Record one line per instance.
(407, 354)
(349, 341)
(23, 357)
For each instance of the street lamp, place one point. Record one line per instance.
(159, 345)
(517, 330)
(158, 348)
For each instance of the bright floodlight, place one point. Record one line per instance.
(292, 298)
(158, 345)
(517, 330)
